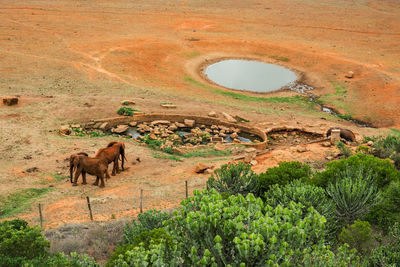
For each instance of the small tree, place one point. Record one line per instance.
(233, 179)
(357, 235)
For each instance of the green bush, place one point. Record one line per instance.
(344, 150)
(211, 231)
(232, 179)
(353, 195)
(383, 171)
(125, 111)
(147, 221)
(154, 144)
(19, 242)
(387, 213)
(282, 175)
(389, 254)
(385, 146)
(357, 235)
(145, 239)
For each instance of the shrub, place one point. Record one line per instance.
(154, 144)
(19, 242)
(125, 111)
(344, 150)
(353, 196)
(357, 235)
(387, 213)
(388, 147)
(211, 231)
(145, 239)
(298, 192)
(147, 221)
(383, 171)
(389, 254)
(282, 175)
(232, 179)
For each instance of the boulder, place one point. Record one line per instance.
(104, 126)
(212, 114)
(75, 126)
(370, 143)
(349, 75)
(253, 162)
(10, 101)
(127, 102)
(172, 127)
(241, 118)
(302, 149)
(234, 135)
(64, 130)
(217, 139)
(189, 123)
(165, 122)
(201, 167)
(326, 144)
(133, 123)
(250, 150)
(120, 129)
(168, 106)
(228, 117)
(220, 147)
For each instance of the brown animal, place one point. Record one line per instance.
(84, 164)
(344, 133)
(112, 153)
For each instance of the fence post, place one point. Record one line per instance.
(41, 216)
(186, 189)
(141, 200)
(90, 208)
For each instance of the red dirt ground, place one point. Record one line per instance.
(71, 61)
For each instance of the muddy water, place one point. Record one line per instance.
(249, 75)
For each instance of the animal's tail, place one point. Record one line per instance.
(123, 157)
(71, 169)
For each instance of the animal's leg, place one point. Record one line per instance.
(113, 170)
(102, 180)
(77, 173)
(116, 164)
(83, 177)
(97, 181)
(107, 174)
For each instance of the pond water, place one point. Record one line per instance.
(249, 75)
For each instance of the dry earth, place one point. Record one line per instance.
(71, 61)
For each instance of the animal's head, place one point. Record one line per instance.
(74, 161)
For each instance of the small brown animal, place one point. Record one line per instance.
(344, 133)
(84, 164)
(112, 153)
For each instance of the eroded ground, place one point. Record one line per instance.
(71, 61)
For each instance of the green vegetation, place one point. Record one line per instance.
(354, 194)
(233, 179)
(285, 173)
(280, 58)
(387, 254)
(22, 245)
(357, 235)
(344, 150)
(239, 231)
(20, 200)
(126, 111)
(388, 147)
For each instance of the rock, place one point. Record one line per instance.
(153, 136)
(229, 117)
(334, 136)
(165, 122)
(133, 123)
(172, 127)
(326, 144)
(120, 129)
(75, 126)
(10, 101)
(250, 150)
(209, 171)
(237, 141)
(33, 169)
(219, 147)
(302, 149)
(127, 102)
(329, 158)
(201, 167)
(214, 127)
(349, 75)
(104, 126)
(189, 123)
(212, 114)
(222, 134)
(370, 143)
(234, 135)
(217, 139)
(168, 106)
(178, 151)
(180, 125)
(253, 162)
(64, 130)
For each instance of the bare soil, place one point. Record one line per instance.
(73, 61)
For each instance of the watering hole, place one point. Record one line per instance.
(249, 75)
